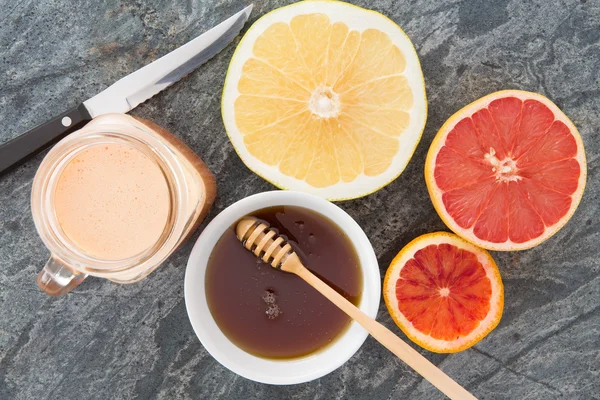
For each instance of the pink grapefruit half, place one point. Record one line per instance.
(507, 171)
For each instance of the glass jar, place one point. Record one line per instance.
(191, 191)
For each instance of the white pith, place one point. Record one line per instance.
(324, 102)
(505, 170)
(496, 299)
(356, 19)
(436, 193)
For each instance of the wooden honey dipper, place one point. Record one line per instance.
(273, 249)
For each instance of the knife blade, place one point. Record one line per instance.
(128, 92)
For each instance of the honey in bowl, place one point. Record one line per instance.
(274, 314)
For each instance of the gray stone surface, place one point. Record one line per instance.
(106, 341)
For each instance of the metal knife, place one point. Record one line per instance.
(125, 94)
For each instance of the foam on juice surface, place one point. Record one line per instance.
(112, 201)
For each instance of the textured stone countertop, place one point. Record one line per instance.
(109, 341)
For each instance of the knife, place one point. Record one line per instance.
(125, 94)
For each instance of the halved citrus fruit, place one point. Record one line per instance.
(445, 293)
(325, 97)
(507, 171)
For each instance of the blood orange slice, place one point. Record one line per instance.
(443, 292)
(507, 171)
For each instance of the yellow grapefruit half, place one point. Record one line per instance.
(325, 97)
(507, 171)
(443, 292)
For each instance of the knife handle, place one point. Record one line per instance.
(17, 150)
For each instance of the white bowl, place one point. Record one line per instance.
(278, 372)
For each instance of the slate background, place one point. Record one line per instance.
(105, 341)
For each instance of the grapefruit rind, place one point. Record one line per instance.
(356, 18)
(427, 342)
(435, 193)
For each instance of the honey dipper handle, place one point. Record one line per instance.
(383, 335)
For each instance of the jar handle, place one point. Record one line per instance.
(57, 278)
